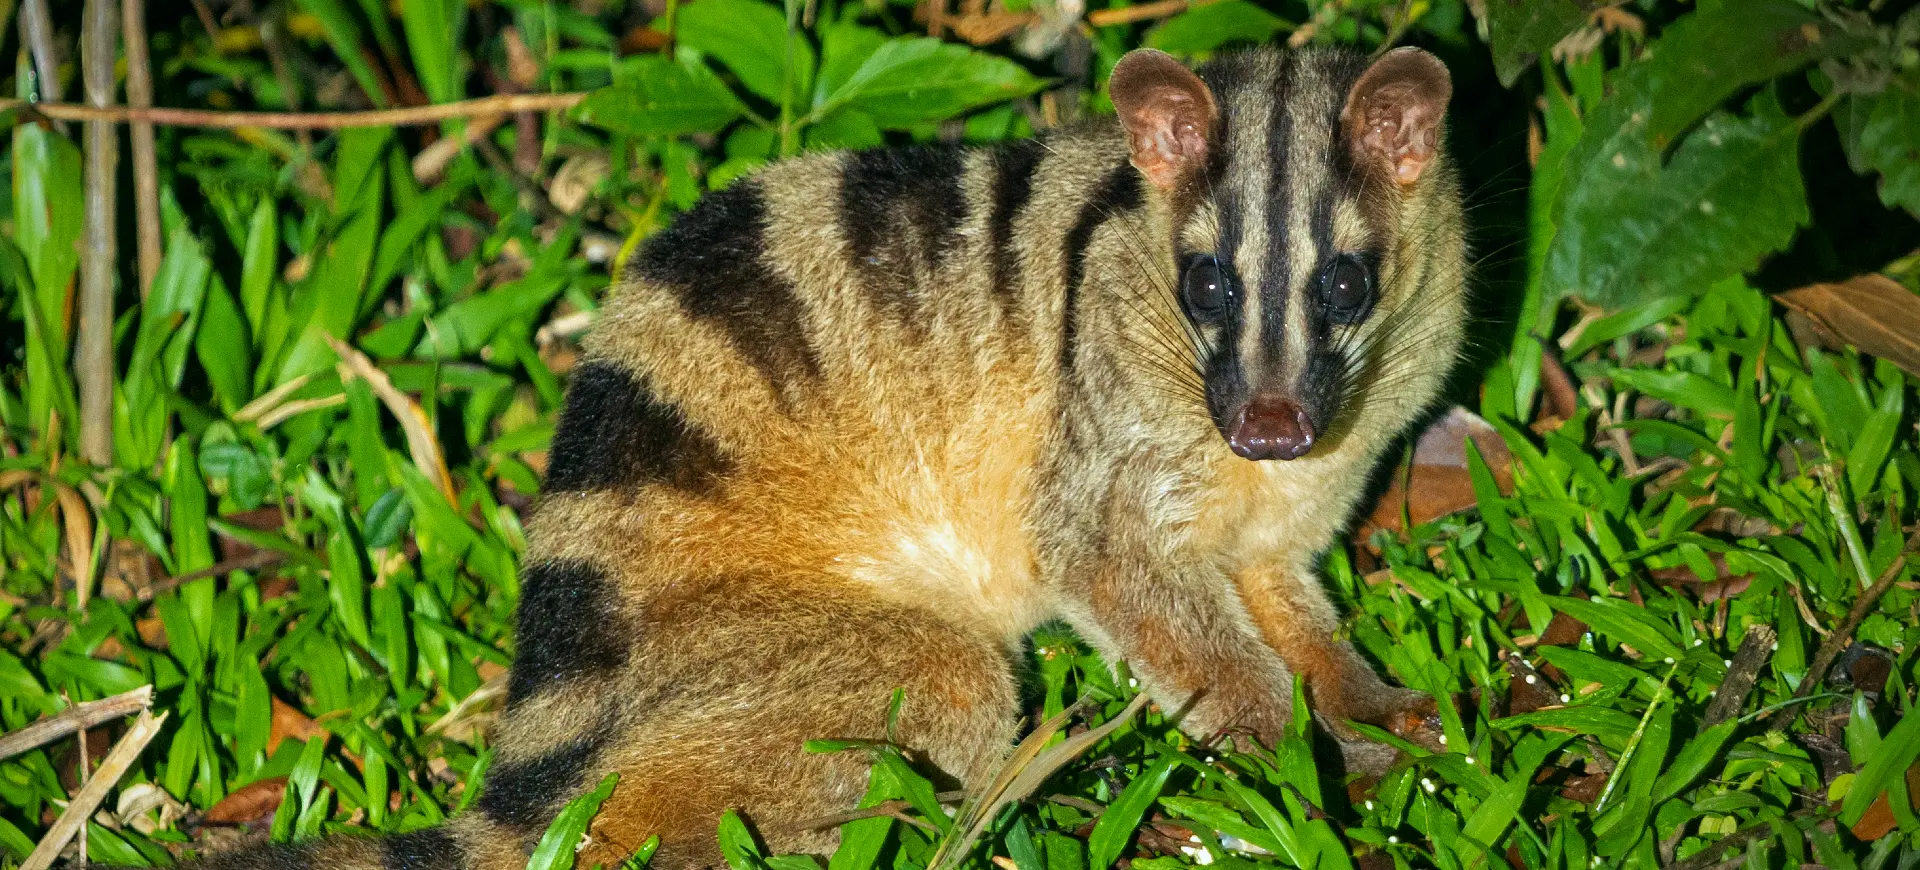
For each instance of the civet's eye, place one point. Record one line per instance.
(1206, 288)
(1346, 289)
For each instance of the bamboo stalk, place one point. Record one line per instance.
(146, 165)
(81, 807)
(406, 117)
(74, 718)
(36, 30)
(93, 355)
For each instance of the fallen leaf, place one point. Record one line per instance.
(250, 804)
(1437, 483)
(1871, 312)
(1559, 396)
(1878, 820)
(291, 724)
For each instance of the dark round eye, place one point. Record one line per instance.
(1205, 288)
(1346, 288)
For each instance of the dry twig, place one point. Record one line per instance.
(74, 718)
(81, 807)
(1842, 634)
(408, 117)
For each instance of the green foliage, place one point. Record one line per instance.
(335, 611)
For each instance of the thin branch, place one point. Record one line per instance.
(81, 807)
(249, 562)
(407, 117)
(1137, 12)
(1842, 635)
(93, 356)
(74, 718)
(146, 166)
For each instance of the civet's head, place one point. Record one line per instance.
(1305, 188)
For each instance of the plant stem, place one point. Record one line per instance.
(146, 166)
(406, 117)
(93, 355)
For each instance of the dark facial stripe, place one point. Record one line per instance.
(430, 849)
(1013, 170)
(1276, 272)
(527, 794)
(1119, 191)
(901, 210)
(614, 433)
(714, 259)
(568, 627)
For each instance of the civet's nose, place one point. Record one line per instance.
(1271, 428)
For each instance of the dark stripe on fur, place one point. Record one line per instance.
(1120, 191)
(901, 210)
(429, 849)
(1276, 295)
(270, 856)
(614, 433)
(1013, 170)
(568, 626)
(714, 258)
(527, 794)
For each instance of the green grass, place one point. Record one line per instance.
(368, 537)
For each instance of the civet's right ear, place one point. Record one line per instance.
(1168, 114)
(1393, 114)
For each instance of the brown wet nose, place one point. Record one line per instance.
(1269, 428)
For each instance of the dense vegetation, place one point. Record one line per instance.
(330, 402)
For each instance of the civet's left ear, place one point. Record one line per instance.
(1393, 114)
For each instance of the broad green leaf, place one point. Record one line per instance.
(1693, 760)
(344, 36)
(661, 97)
(913, 81)
(556, 848)
(1706, 57)
(1881, 133)
(1116, 825)
(862, 839)
(750, 37)
(737, 844)
(327, 303)
(1204, 28)
(1501, 808)
(387, 519)
(1632, 231)
(433, 39)
(245, 475)
(1624, 623)
(1521, 30)
(224, 350)
(1896, 752)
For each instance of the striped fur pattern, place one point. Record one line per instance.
(862, 421)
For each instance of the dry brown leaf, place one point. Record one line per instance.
(1438, 483)
(291, 724)
(1878, 820)
(1871, 312)
(250, 804)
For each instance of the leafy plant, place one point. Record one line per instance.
(332, 405)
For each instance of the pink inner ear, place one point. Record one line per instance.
(1401, 130)
(1393, 115)
(1167, 113)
